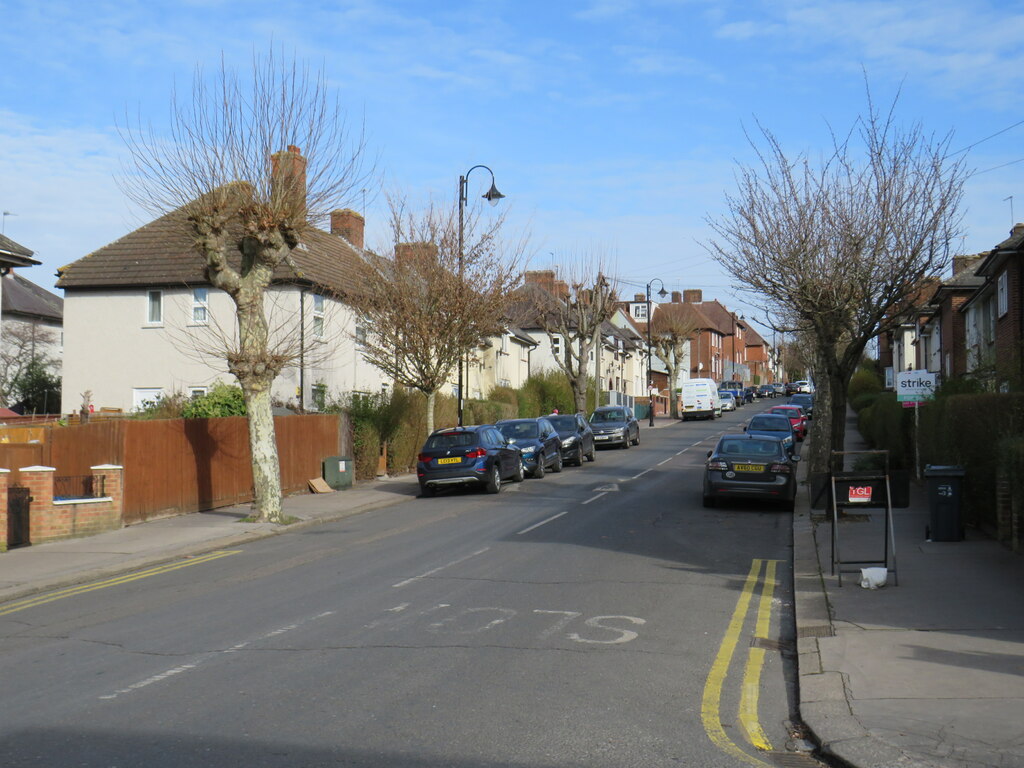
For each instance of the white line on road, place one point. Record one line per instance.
(680, 453)
(542, 522)
(666, 461)
(440, 568)
(649, 469)
(595, 498)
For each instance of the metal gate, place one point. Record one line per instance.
(18, 504)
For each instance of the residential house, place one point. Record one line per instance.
(33, 320)
(501, 361)
(994, 316)
(142, 320)
(944, 331)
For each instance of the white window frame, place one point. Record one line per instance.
(200, 306)
(143, 395)
(154, 299)
(640, 311)
(318, 316)
(556, 345)
(194, 392)
(1002, 293)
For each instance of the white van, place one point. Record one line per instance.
(700, 399)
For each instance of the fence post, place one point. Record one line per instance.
(113, 486)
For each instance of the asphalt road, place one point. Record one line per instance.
(596, 617)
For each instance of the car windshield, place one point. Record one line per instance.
(608, 416)
(519, 429)
(451, 440)
(742, 446)
(563, 423)
(793, 413)
(769, 424)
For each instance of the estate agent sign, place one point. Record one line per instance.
(913, 387)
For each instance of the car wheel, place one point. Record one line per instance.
(519, 473)
(636, 440)
(538, 471)
(556, 466)
(493, 484)
(592, 456)
(625, 443)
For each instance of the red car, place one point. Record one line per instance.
(796, 418)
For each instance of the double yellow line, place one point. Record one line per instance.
(49, 597)
(712, 701)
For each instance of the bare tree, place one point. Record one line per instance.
(573, 311)
(672, 328)
(424, 304)
(231, 170)
(840, 244)
(22, 344)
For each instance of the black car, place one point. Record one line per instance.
(537, 441)
(773, 425)
(749, 394)
(752, 467)
(477, 455)
(766, 390)
(806, 403)
(615, 425)
(576, 435)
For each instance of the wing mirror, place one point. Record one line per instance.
(709, 454)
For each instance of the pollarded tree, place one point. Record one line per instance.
(838, 244)
(672, 328)
(424, 305)
(230, 170)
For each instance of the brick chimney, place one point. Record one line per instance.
(960, 263)
(406, 253)
(288, 181)
(676, 297)
(639, 297)
(545, 278)
(561, 289)
(1018, 229)
(350, 225)
(694, 296)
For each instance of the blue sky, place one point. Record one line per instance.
(613, 126)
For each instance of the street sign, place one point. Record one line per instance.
(914, 386)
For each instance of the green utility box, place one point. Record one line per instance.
(338, 472)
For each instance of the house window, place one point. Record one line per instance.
(155, 307)
(145, 397)
(360, 335)
(194, 392)
(319, 396)
(556, 345)
(200, 306)
(318, 316)
(1003, 294)
(640, 311)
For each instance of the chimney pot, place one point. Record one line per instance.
(676, 297)
(350, 225)
(693, 296)
(639, 297)
(288, 181)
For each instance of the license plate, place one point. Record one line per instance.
(454, 460)
(748, 467)
(600, 437)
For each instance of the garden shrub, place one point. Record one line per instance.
(864, 381)
(863, 400)
(221, 400)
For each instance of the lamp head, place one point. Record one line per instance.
(663, 293)
(493, 195)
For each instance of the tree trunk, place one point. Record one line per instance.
(579, 392)
(266, 469)
(431, 397)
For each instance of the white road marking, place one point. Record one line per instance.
(680, 453)
(181, 668)
(440, 568)
(649, 469)
(608, 487)
(595, 498)
(542, 522)
(666, 461)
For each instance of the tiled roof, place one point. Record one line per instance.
(719, 318)
(15, 254)
(23, 297)
(162, 253)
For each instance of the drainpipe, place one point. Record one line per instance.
(302, 350)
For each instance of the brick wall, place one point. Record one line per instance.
(51, 520)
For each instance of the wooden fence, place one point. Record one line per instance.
(176, 466)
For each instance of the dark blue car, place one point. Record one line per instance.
(773, 425)
(477, 455)
(537, 441)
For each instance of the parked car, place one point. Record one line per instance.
(773, 425)
(477, 455)
(576, 435)
(804, 386)
(780, 389)
(615, 425)
(791, 388)
(752, 467)
(538, 442)
(796, 418)
(728, 400)
(749, 394)
(700, 399)
(766, 390)
(737, 392)
(806, 403)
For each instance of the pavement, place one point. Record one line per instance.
(926, 673)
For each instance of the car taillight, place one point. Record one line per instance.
(479, 453)
(425, 458)
(780, 469)
(719, 466)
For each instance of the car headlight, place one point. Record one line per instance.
(528, 449)
(568, 441)
(619, 431)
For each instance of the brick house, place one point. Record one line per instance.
(945, 325)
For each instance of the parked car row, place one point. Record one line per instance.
(511, 449)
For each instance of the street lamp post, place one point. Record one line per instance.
(492, 196)
(650, 379)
